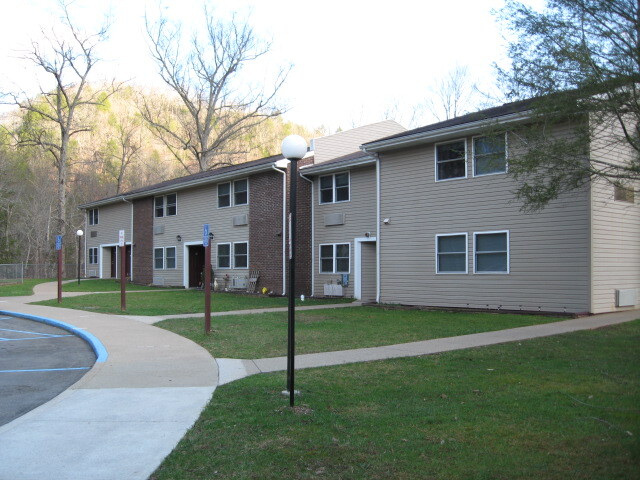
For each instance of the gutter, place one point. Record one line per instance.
(442, 133)
(284, 222)
(313, 233)
(318, 169)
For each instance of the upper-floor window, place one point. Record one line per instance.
(238, 191)
(451, 160)
(166, 205)
(491, 252)
(93, 216)
(489, 155)
(451, 253)
(334, 188)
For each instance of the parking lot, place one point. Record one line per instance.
(37, 362)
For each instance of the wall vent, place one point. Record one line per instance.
(158, 281)
(627, 297)
(94, 233)
(331, 290)
(334, 219)
(240, 220)
(239, 282)
(92, 273)
(158, 229)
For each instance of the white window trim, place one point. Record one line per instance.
(164, 205)
(466, 159)
(333, 272)
(175, 249)
(473, 157)
(154, 258)
(475, 234)
(97, 256)
(233, 255)
(89, 220)
(230, 256)
(466, 253)
(333, 180)
(232, 193)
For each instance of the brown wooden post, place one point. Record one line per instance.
(123, 271)
(206, 241)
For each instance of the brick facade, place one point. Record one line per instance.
(143, 241)
(265, 230)
(303, 233)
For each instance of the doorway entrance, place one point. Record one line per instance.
(365, 269)
(196, 265)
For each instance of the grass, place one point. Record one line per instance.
(162, 302)
(21, 289)
(563, 407)
(101, 285)
(265, 335)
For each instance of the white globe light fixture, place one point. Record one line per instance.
(294, 148)
(79, 234)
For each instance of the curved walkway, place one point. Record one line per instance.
(128, 413)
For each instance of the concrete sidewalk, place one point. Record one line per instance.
(124, 416)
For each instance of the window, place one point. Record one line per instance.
(241, 192)
(170, 257)
(158, 258)
(489, 155)
(166, 206)
(93, 256)
(93, 216)
(451, 160)
(334, 188)
(451, 253)
(241, 255)
(238, 191)
(224, 255)
(623, 194)
(491, 252)
(335, 258)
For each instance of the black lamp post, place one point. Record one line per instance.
(79, 234)
(294, 147)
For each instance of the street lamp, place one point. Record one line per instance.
(294, 148)
(79, 234)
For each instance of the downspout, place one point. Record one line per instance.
(378, 230)
(284, 228)
(313, 234)
(125, 243)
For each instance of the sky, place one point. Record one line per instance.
(351, 61)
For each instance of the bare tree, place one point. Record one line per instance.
(217, 110)
(51, 119)
(453, 95)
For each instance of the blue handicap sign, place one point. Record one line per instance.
(58, 242)
(205, 235)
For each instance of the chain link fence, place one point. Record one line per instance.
(17, 272)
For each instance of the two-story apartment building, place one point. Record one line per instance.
(451, 234)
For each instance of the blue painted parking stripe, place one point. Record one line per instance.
(32, 338)
(45, 370)
(33, 333)
(98, 347)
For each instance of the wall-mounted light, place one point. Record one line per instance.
(386, 221)
(179, 238)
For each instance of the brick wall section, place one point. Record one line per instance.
(265, 229)
(303, 233)
(143, 241)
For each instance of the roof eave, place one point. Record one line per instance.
(320, 168)
(444, 133)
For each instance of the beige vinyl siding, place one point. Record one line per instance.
(615, 235)
(196, 207)
(111, 219)
(344, 143)
(549, 251)
(360, 217)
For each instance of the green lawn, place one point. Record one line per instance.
(21, 289)
(162, 302)
(265, 335)
(563, 407)
(102, 285)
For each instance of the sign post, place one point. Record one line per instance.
(207, 278)
(123, 271)
(59, 250)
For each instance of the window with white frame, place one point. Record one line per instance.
(166, 205)
(335, 258)
(451, 253)
(158, 258)
(334, 188)
(224, 255)
(238, 191)
(491, 252)
(170, 257)
(241, 255)
(451, 160)
(489, 155)
(93, 256)
(93, 216)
